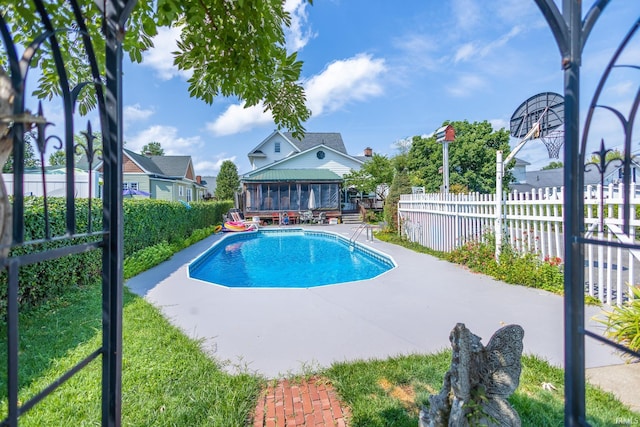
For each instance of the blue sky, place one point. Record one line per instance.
(381, 71)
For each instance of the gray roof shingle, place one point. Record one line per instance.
(313, 139)
(174, 166)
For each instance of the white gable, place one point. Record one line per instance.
(332, 160)
(276, 147)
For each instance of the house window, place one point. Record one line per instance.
(188, 194)
(133, 185)
(125, 186)
(180, 190)
(277, 147)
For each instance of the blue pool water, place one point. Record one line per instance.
(291, 258)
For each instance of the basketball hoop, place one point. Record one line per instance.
(553, 141)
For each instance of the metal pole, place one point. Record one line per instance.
(116, 13)
(575, 407)
(445, 167)
(498, 226)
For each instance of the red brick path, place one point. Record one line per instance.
(300, 404)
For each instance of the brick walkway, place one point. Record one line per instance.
(300, 404)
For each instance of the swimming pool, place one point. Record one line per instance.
(287, 258)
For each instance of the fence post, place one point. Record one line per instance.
(498, 212)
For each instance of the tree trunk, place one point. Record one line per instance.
(6, 146)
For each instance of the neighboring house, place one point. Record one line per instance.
(170, 178)
(55, 185)
(554, 178)
(296, 175)
(210, 183)
(519, 170)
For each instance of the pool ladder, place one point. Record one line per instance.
(362, 227)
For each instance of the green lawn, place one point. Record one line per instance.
(389, 392)
(167, 379)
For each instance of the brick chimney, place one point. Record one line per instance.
(368, 152)
(199, 179)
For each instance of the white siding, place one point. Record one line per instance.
(335, 162)
(269, 147)
(56, 184)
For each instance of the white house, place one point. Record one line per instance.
(293, 175)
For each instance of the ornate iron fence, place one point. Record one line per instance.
(19, 249)
(571, 31)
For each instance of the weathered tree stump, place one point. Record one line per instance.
(479, 381)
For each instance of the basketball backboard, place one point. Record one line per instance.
(546, 107)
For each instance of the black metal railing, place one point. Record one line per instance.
(571, 31)
(17, 125)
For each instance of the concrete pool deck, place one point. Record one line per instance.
(410, 309)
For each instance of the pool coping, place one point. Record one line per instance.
(409, 309)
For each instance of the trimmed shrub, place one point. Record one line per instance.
(147, 223)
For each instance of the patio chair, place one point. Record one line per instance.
(306, 217)
(275, 218)
(322, 217)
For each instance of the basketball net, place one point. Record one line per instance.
(553, 142)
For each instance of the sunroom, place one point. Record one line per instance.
(270, 193)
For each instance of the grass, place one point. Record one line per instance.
(170, 380)
(389, 392)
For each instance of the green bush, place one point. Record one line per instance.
(513, 267)
(147, 223)
(147, 258)
(623, 323)
(150, 222)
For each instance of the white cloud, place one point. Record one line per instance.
(466, 13)
(471, 51)
(501, 41)
(498, 124)
(466, 85)
(296, 35)
(237, 119)
(209, 167)
(167, 136)
(135, 113)
(464, 52)
(160, 57)
(417, 51)
(353, 79)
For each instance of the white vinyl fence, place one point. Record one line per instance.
(56, 184)
(532, 222)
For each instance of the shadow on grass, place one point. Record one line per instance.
(53, 331)
(390, 392)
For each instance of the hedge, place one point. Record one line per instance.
(146, 223)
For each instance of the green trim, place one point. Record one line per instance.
(306, 175)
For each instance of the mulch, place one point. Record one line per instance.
(298, 403)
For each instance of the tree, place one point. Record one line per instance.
(227, 181)
(30, 160)
(233, 48)
(400, 185)
(59, 157)
(609, 156)
(472, 158)
(152, 149)
(374, 176)
(553, 165)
